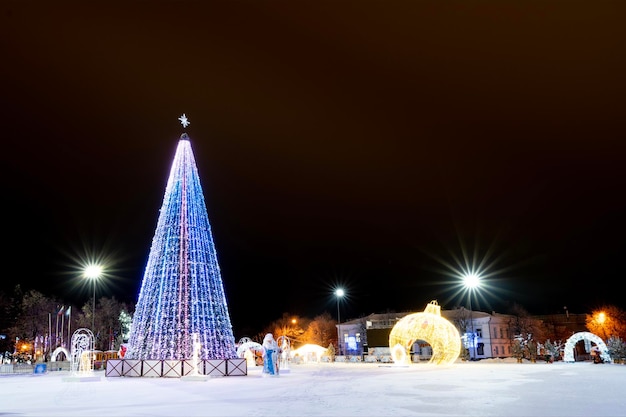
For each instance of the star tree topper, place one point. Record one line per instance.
(183, 120)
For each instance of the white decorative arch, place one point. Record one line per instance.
(568, 355)
(59, 350)
(253, 346)
(82, 359)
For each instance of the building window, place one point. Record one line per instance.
(496, 352)
(351, 343)
(479, 332)
(481, 349)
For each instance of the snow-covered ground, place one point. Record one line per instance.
(498, 388)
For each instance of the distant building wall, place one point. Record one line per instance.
(492, 331)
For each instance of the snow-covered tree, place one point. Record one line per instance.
(617, 349)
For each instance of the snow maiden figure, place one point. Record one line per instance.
(270, 356)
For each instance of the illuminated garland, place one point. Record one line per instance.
(182, 291)
(430, 327)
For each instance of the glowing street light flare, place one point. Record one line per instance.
(471, 282)
(339, 293)
(93, 272)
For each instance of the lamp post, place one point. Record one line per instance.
(471, 282)
(93, 272)
(339, 293)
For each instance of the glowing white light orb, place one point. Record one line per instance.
(471, 280)
(93, 271)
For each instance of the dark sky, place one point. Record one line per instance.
(356, 143)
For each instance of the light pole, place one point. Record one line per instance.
(339, 293)
(93, 272)
(471, 282)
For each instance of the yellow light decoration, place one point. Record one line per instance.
(86, 364)
(430, 327)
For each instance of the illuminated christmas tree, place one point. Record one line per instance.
(182, 291)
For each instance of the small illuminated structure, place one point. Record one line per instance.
(430, 327)
(196, 349)
(285, 348)
(250, 350)
(399, 355)
(81, 353)
(82, 357)
(309, 352)
(568, 350)
(60, 351)
(246, 344)
(195, 375)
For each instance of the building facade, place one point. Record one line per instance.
(484, 335)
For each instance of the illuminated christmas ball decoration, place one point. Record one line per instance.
(430, 327)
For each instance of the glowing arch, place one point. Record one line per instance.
(57, 351)
(430, 327)
(568, 355)
(82, 357)
(253, 346)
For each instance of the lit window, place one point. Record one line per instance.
(352, 343)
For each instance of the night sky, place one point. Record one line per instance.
(362, 144)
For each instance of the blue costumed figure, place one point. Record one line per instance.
(270, 356)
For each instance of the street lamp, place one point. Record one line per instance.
(93, 272)
(471, 282)
(601, 319)
(339, 293)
